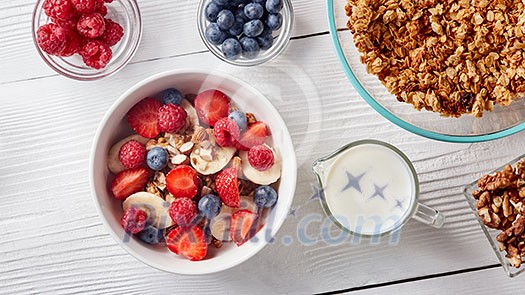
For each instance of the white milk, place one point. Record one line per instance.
(369, 189)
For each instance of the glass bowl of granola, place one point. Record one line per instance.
(186, 171)
(497, 201)
(467, 83)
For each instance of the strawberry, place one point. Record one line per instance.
(241, 226)
(182, 182)
(226, 131)
(143, 117)
(211, 105)
(227, 186)
(256, 134)
(129, 182)
(189, 242)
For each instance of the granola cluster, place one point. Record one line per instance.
(500, 205)
(447, 56)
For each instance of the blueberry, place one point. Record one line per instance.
(239, 13)
(214, 35)
(238, 116)
(221, 2)
(254, 10)
(157, 158)
(265, 40)
(172, 95)
(231, 48)
(264, 196)
(210, 206)
(274, 21)
(262, 2)
(151, 235)
(237, 2)
(274, 6)
(237, 27)
(253, 28)
(250, 49)
(211, 11)
(225, 19)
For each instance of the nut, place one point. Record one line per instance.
(180, 159)
(250, 118)
(186, 148)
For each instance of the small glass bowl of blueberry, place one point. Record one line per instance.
(245, 32)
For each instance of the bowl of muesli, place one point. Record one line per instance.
(193, 171)
(451, 71)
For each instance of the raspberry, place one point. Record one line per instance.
(102, 9)
(72, 43)
(261, 157)
(96, 54)
(132, 154)
(113, 32)
(172, 118)
(182, 211)
(61, 9)
(52, 38)
(67, 23)
(91, 25)
(226, 132)
(85, 6)
(133, 220)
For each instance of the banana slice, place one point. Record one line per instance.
(261, 177)
(155, 207)
(247, 203)
(220, 225)
(193, 119)
(211, 160)
(114, 164)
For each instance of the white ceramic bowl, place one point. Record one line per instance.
(114, 126)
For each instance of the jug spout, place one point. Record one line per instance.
(319, 168)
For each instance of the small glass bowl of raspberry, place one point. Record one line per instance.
(86, 39)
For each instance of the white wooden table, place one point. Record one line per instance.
(52, 240)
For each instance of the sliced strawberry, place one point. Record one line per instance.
(241, 226)
(189, 242)
(143, 117)
(212, 105)
(227, 186)
(129, 182)
(256, 134)
(182, 182)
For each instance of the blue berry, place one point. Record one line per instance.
(211, 11)
(274, 6)
(214, 35)
(172, 95)
(254, 10)
(250, 49)
(253, 28)
(274, 21)
(210, 206)
(231, 48)
(151, 235)
(265, 40)
(264, 196)
(237, 2)
(221, 2)
(239, 13)
(238, 116)
(157, 158)
(237, 27)
(262, 2)
(225, 19)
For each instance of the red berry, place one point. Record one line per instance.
(68, 23)
(211, 105)
(172, 118)
(182, 211)
(241, 226)
(261, 157)
(72, 43)
(256, 134)
(226, 132)
(113, 33)
(52, 38)
(227, 186)
(96, 54)
(189, 242)
(129, 182)
(143, 117)
(132, 154)
(133, 220)
(91, 25)
(85, 6)
(60, 9)
(102, 9)
(182, 182)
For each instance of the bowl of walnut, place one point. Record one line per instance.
(497, 200)
(451, 71)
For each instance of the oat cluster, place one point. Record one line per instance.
(447, 56)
